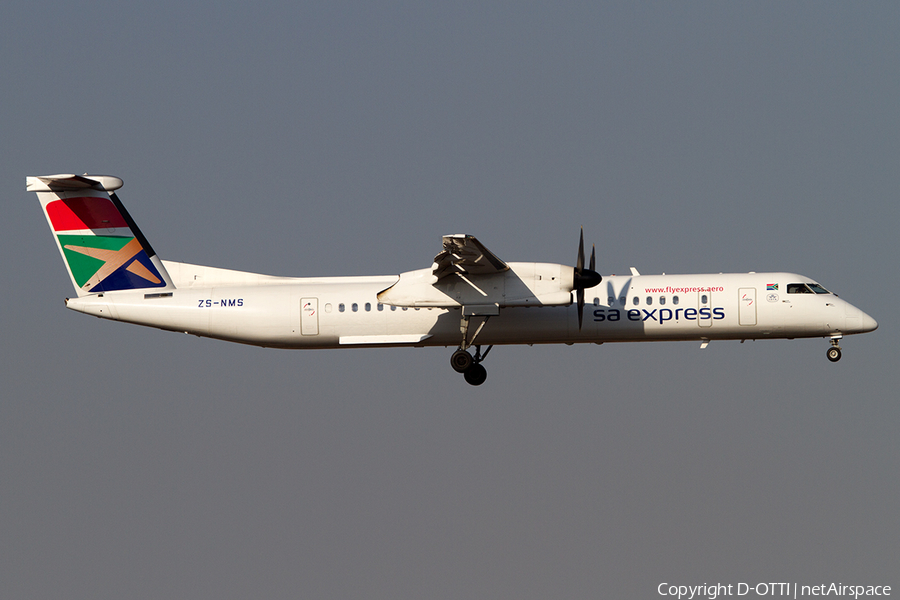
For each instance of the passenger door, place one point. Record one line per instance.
(309, 316)
(747, 306)
(704, 300)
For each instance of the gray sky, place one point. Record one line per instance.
(345, 139)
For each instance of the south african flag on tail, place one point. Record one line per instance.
(102, 247)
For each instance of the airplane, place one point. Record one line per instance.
(468, 298)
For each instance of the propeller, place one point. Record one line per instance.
(584, 278)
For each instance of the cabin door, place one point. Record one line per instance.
(309, 316)
(747, 306)
(704, 301)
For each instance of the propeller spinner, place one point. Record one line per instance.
(584, 278)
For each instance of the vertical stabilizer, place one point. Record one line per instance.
(101, 245)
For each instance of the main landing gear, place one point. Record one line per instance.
(462, 361)
(470, 366)
(834, 353)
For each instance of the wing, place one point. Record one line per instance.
(467, 274)
(466, 255)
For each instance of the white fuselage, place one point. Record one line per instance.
(338, 312)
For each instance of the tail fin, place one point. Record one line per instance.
(102, 247)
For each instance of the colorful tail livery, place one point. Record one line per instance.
(101, 245)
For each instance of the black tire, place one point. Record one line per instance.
(461, 361)
(476, 374)
(834, 354)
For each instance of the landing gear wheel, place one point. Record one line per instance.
(475, 375)
(461, 361)
(834, 354)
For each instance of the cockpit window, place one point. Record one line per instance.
(818, 288)
(806, 288)
(798, 288)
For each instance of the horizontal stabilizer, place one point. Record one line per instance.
(68, 182)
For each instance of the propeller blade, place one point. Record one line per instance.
(580, 307)
(579, 263)
(584, 278)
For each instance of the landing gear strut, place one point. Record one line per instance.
(834, 353)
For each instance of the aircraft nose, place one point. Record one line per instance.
(868, 323)
(859, 322)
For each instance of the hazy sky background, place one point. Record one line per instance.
(344, 139)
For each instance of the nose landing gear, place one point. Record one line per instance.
(834, 353)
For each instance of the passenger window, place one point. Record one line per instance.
(704, 299)
(674, 299)
(355, 307)
(798, 288)
(596, 301)
(380, 306)
(649, 300)
(328, 307)
(662, 300)
(622, 300)
(610, 300)
(635, 300)
(368, 306)
(393, 307)
(341, 307)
